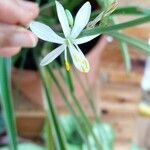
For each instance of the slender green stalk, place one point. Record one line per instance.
(90, 100)
(52, 115)
(142, 46)
(68, 79)
(49, 137)
(120, 26)
(131, 10)
(126, 56)
(87, 93)
(87, 124)
(6, 101)
(124, 51)
(59, 137)
(67, 103)
(64, 97)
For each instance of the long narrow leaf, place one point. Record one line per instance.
(131, 10)
(120, 26)
(67, 103)
(59, 138)
(52, 114)
(77, 105)
(6, 101)
(142, 46)
(126, 56)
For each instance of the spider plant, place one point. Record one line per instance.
(93, 135)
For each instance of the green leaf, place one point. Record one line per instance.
(6, 101)
(60, 140)
(120, 26)
(58, 135)
(107, 137)
(126, 56)
(142, 46)
(131, 10)
(87, 124)
(127, 10)
(70, 129)
(67, 102)
(68, 80)
(48, 136)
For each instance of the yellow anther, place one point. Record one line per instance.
(67, 65)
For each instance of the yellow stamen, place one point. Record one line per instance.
(67, 66)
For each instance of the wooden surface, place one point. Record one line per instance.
(29, 116)
(120, 92)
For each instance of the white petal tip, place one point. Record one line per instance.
(88, 4)
(58, 4)
(81, 63)
(87, 71)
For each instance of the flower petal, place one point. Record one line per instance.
(81, 20)
(52, 55)
(63, 19)
(79, 60)
(45, 33)
(85, 39)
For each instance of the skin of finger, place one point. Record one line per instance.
(9, 33)
(9, 51)
(12, 13)
(9, 27)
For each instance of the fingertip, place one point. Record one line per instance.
(24, 38)
(29, 10)
(34, 39)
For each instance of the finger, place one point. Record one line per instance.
(9, 51)
(18, 12)
(13, 36)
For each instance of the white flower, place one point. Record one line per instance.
(71, 40)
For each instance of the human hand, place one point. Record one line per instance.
(13, 14)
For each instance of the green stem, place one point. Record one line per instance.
(87, 93)
(142, 46)
(87, 124)
(6, 101)
(100, 30)
(67, 103)
(52, 115)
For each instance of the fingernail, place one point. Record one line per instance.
(24, 39)
(34, 40)
(29, 10)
